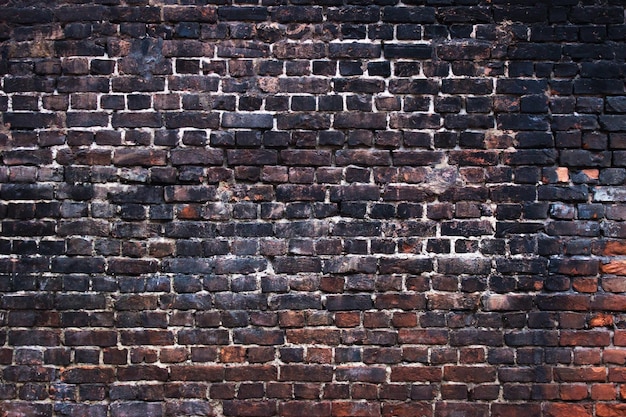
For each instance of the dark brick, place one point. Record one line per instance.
(395, 51)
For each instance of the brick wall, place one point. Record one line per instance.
(276, 208)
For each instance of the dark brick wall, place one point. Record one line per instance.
(333, 208)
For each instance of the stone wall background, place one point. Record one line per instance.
(331, 208)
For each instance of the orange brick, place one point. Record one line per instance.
(567, 410)
(614, 247)
(617, 356)
(355, 409)
(585, 284)
(587, 356)
(233, 354)
(614, 268)
(619, 338)
(291, 318)
(319, 355)
(349, 319)
(610, 410)
(604, 392)
(601, 320)
(173, 355)
(573, 392)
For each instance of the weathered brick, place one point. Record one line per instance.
(192, 185)
(353, 50)
(199, 120)
(250, 121)
(313, 373)
(263, 408)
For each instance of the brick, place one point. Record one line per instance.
(415, 121)
(423, 336)
(27, 408)
(348, 302)
(501, 410)
(250, 121)
(143, 157)
(136, 409)
(31, 120)
(199, 120)
(353, 50)
(287, 50)
(313, 336)
(196, 157)
(314, 373)
(403, 86)
(406, 409)
(90, 338)
(360, 157)
(609, 410)
(303, 121)
(190, 13)
(464, 50)
(356, 409)
(88, 375)
(25, 373)
(594, 374)
(396, 51)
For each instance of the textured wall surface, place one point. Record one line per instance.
(333, 208)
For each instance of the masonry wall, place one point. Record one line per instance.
(274, 208)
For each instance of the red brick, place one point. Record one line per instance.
(585, 338)
(473, 374)
(251, 373)
(591, 374)
(603, 392)
(515, 410)
(585, 284)
(416, 373)
(249, 408)
(601, 320)
(617, 374)
(88, 374)
(347, 319)
(412, 409)
(609, 302)
(563, 410)
(423, 336)
(610, 410)
(448, 409)
(616, 356)
(313, 336)
(573, 392)
(321, 373)
(196, 373)
(295, 408)
(355, 409)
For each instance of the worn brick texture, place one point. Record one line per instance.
(337, 208)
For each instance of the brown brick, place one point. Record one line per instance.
(609, 410)
(294, 408)
(416, 374)
(594, 374)
(313, 336)
(560, 410)
(473, 374)
(248, 408)
(196, 373)
(514, 410)
(585, 338)
(355, 409)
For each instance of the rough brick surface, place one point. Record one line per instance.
(336, 208)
